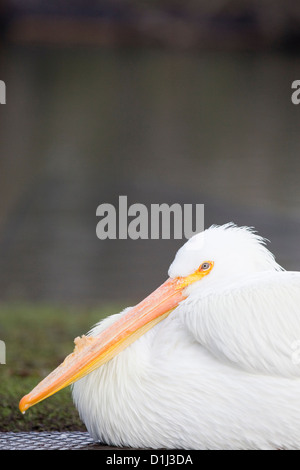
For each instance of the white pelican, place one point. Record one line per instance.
(211, 358)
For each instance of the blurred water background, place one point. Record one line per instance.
(162, 101)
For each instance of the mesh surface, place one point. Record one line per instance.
(48, 441)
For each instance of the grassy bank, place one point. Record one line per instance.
(37, 339)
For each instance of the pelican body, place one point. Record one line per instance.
(207, 361)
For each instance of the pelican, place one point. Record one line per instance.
(209, 360)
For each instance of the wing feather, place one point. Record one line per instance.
(254, 324)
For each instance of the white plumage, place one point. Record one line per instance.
(221, 371)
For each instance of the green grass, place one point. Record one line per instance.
(37, 339)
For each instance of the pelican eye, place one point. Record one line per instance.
(205, 266)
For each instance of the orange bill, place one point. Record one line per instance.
(92, 352)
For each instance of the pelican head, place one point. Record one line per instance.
(235, 252)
